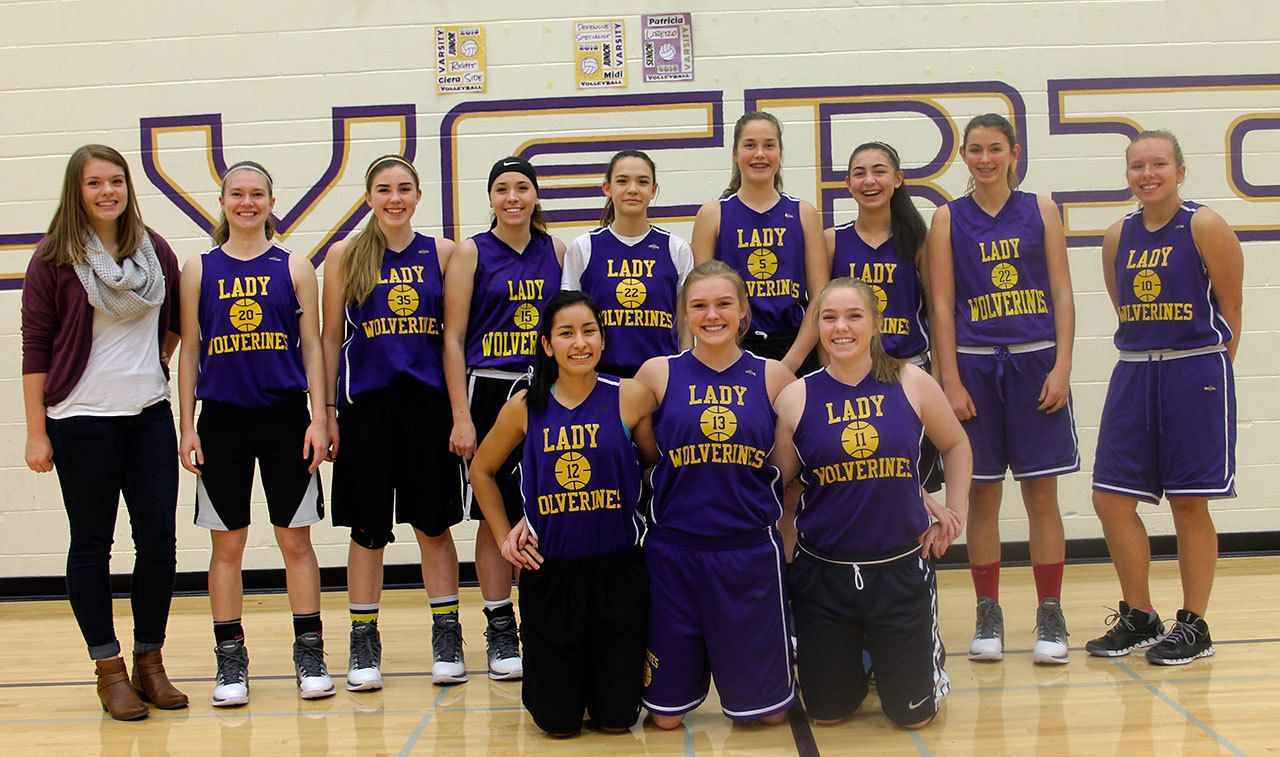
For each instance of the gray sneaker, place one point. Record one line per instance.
(504, 648)
(1051, 634)
(308, 664)
(446, 646)
(231, 688)
(364, 673)
(988, 635)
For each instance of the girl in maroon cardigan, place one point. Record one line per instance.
(99, 321)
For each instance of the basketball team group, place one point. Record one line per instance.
(704, 459)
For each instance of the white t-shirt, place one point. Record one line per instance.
(578, 255)
(123, 375)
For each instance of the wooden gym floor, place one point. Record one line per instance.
(1091, 706)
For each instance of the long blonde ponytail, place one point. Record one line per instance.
(362, 261)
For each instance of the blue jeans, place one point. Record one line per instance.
(98, 459)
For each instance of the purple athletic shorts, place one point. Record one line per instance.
(1009, 431)
(1169, 427)
(717, 610)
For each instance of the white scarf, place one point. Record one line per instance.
(125, 289)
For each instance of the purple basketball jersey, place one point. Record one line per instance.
(897, 286)
(767, 250)
(508, 293)
(715, 431)
(396, 333)
(580, 477)
(250, 355)
(859, 449)
(635, 289)
(1002, 278)
(1166, 300)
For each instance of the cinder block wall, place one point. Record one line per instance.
(315, 90)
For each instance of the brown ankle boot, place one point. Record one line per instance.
(118, 697)
(153, 683)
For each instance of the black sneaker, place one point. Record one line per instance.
(308, 664)
(448, 665)
(1131, 629)
(1187, 640)
(231, 688)
(364, 672)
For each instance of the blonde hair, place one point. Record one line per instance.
(884, 367)
(710, 270)
(1164, 134)
(362, 261)
(222, 232)
(64, 242)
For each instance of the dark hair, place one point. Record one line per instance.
(545, 368)
(735, 178)
(607, 216)
(906, 225)
(222, 232)
(1000, 123)
(537, 220)
(64, 244)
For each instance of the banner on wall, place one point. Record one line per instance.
(460, 59)
(600, 54)
(667, 46)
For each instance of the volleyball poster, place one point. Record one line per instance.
(600, 58)
(667, 46)
(460, 59)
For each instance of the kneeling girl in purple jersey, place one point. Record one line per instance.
(1174, 270)
(251, 354)
(584, 597)
(715, 559)
(1003, 325)
(863, 576)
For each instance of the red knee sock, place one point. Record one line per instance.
(986, 580)
(1048, 580)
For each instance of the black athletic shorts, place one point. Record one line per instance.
(584, 625)
(232, 438)
(394, 460)
(887, 608)
(487, 395)
(776, 346)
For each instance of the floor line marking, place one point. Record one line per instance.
(922, 747)
(1197, 722)
(422, 724)
(690, 749)
(226, 715)
(801, 732)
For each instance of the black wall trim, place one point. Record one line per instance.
(270, 580)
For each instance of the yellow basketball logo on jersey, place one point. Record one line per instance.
(650, 662)
(1004, 276)
(860, 440)
(882, 299)
(526, 316)
(402, 299)
(631, 293)
(245, 315)
(1146, 285)
(573, 471)
(718, 423)
(762, 263)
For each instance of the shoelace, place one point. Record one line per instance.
(309, 661)
(366, 647)
(1118, 619)
(233, 665)
(504, 641)
(987, 621)
(446, 639)
(1182, 633)
(1051, 625)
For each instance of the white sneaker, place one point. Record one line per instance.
(232, 686)
(446, 647)
(366, 656)
(1051, 635)
(308, 663)
(988, 635)
(504, 649)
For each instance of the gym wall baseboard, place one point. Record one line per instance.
(409, 576)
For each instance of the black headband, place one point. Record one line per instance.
(518, 165)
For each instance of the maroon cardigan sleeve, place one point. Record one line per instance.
(39, 316)
(170, 311)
